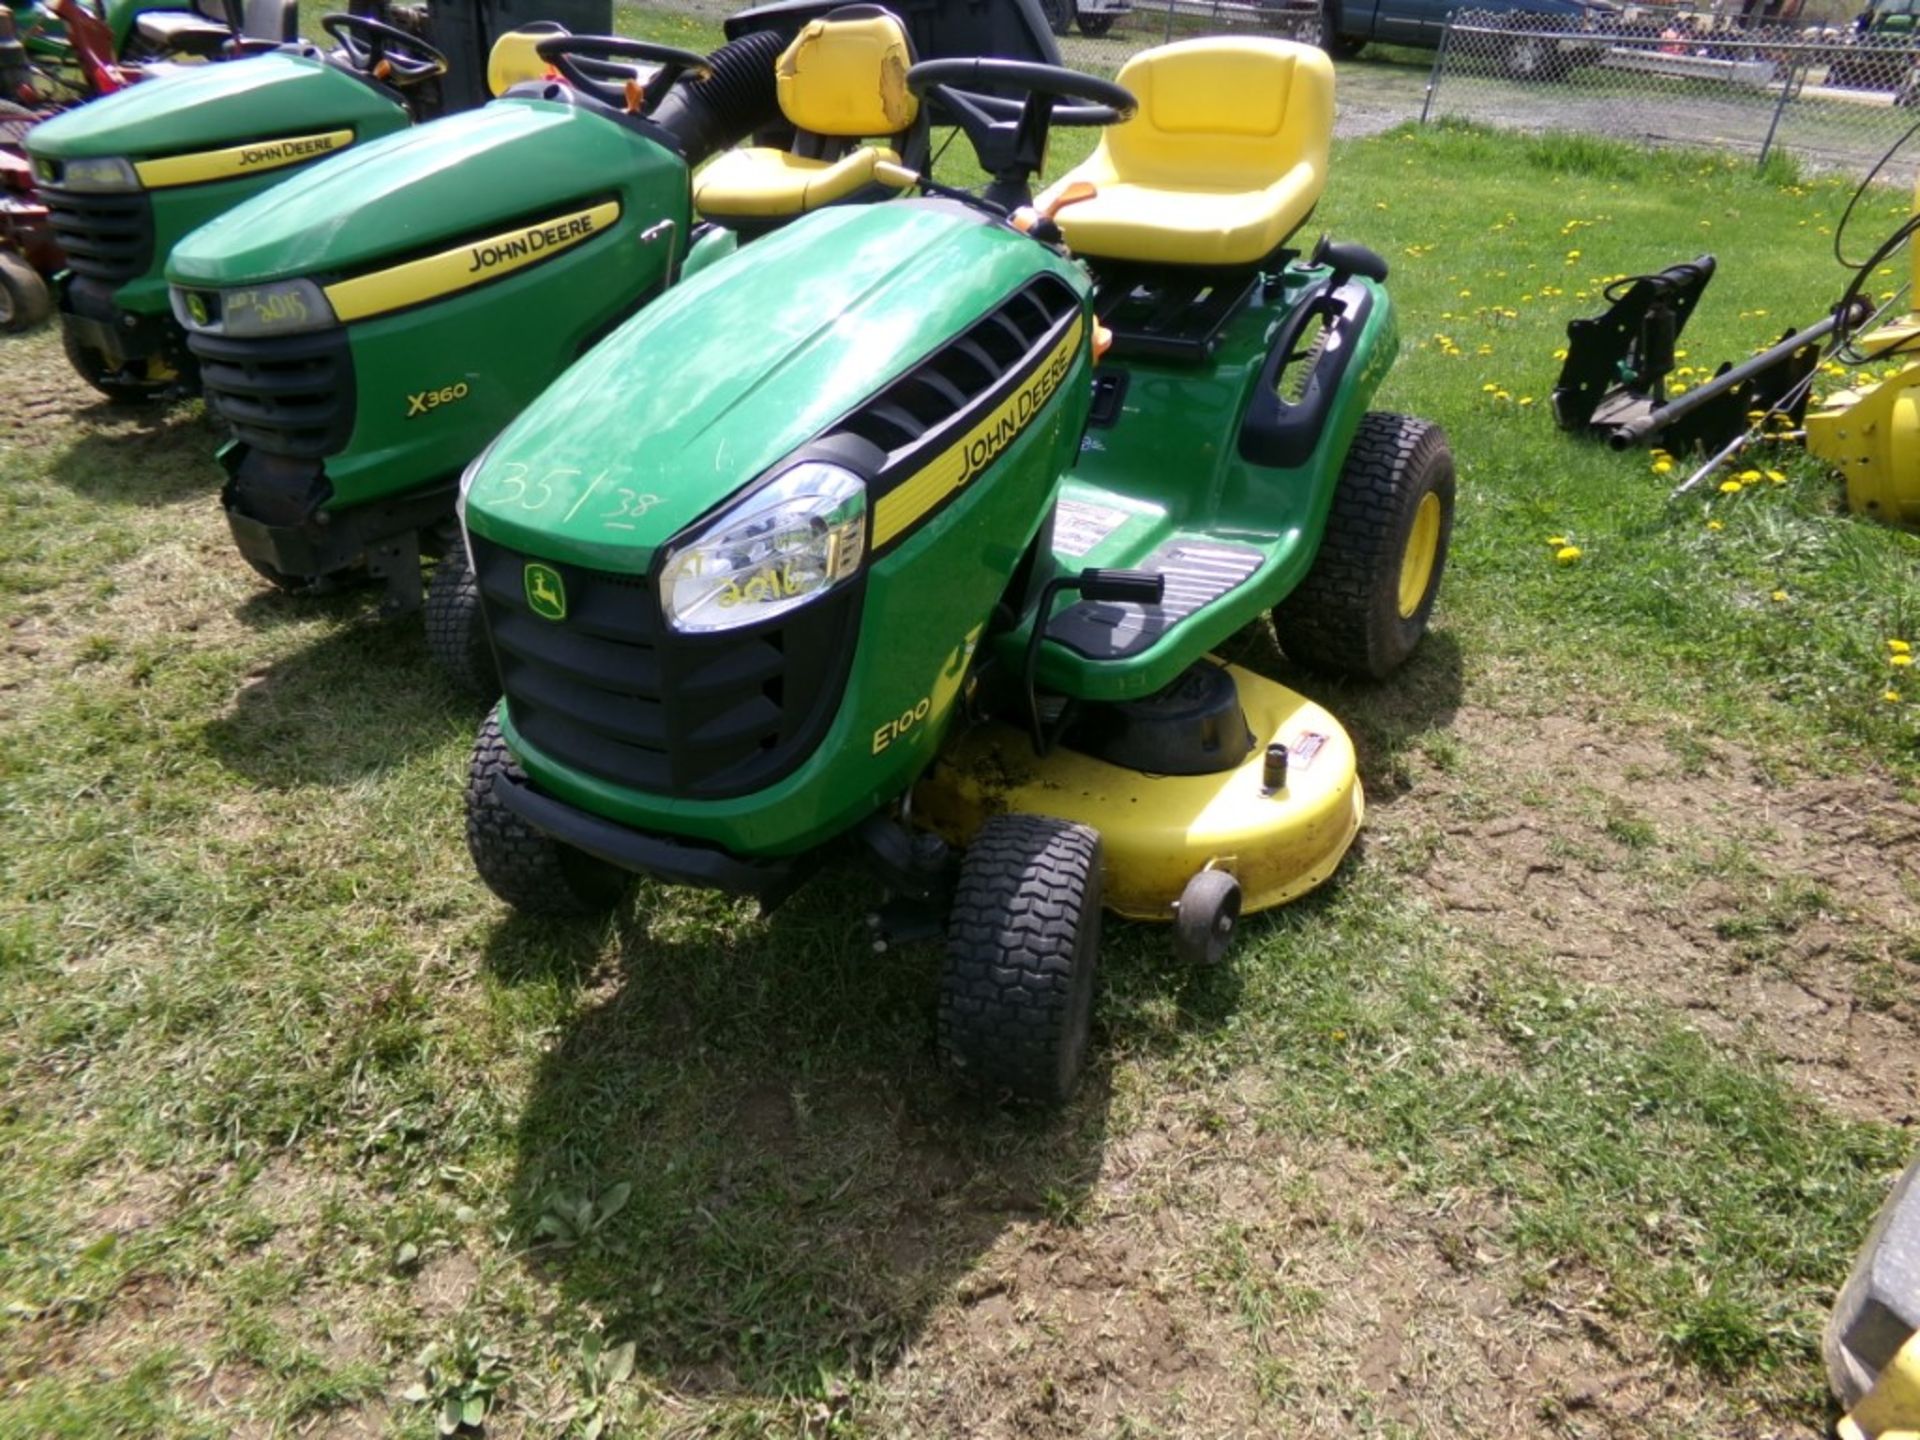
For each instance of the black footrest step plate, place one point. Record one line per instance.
(1198, 573)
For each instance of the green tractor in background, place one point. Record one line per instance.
(367, 328)
(127, 177)
(776, 573)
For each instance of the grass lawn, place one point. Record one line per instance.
(1560, 1110)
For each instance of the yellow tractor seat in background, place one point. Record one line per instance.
(513, 59)
(842, 80)
(1224, 159)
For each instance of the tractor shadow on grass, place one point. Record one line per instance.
(163, 457)
(741, 1152)
(357, 702)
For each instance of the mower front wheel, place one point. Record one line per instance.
(1364, 605)
(530, 870)
(25, 300)
(1023, 945)
(456, 630)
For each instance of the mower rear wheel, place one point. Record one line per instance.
(528, 869)
(1094, 26)
(25, 300)
(1023, 946)
(1364, 606)
(122, 385)
(456, 630)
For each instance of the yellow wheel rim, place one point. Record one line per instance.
(1416, 561)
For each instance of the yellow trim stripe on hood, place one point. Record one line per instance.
(471, 264)
(900, 508)
(254, 159)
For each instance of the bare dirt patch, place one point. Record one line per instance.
(1261, 1292)
(1783, 910)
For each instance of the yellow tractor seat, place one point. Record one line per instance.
(841, 81)
(513, 59)
(1225, 158)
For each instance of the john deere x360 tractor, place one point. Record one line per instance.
(130, 175)
(368, 327)
(908, 532)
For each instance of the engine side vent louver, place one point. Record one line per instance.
(964, 369)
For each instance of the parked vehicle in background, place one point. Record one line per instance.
(1880, 53)
(1344, 26)
(1094, 17)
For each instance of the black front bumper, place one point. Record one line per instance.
(301, 540)
(678, 862)
(120, 337)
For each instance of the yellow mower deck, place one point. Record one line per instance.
(1872, 436)
(1158, 831)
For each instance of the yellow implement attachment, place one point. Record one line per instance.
(1872, 436)
(1159, 831)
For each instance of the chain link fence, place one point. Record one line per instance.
(1833, 101)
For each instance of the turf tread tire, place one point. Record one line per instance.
(530, 870)
(28, 301)
(1023, 941)
(456, 629)
(1344, 618)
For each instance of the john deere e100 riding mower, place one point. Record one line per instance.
(371, 325)
(130, 175)
(909, 531)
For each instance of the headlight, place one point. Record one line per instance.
(91, 172)
(284, 307)
(796, 537)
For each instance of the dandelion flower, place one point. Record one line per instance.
(1779, 597)
(1899, 647)
(1567, 554)
(1891, 696)
(1900, 661)
(1731, 487)
(1663, 467)
(1557, 541)
(1776, 477)
(1715, 525)
(1526, 400)
(1748, 477)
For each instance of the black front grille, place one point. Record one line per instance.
(104, 237)
(950, 379)
(286, 395)
(612, 691)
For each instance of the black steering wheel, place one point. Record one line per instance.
(583, 60)
(1010, 135)
(369, 43)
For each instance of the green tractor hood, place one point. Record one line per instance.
(461, 176)
(733, 370)
(212, 107)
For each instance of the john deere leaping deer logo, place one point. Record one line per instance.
(546, 592)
